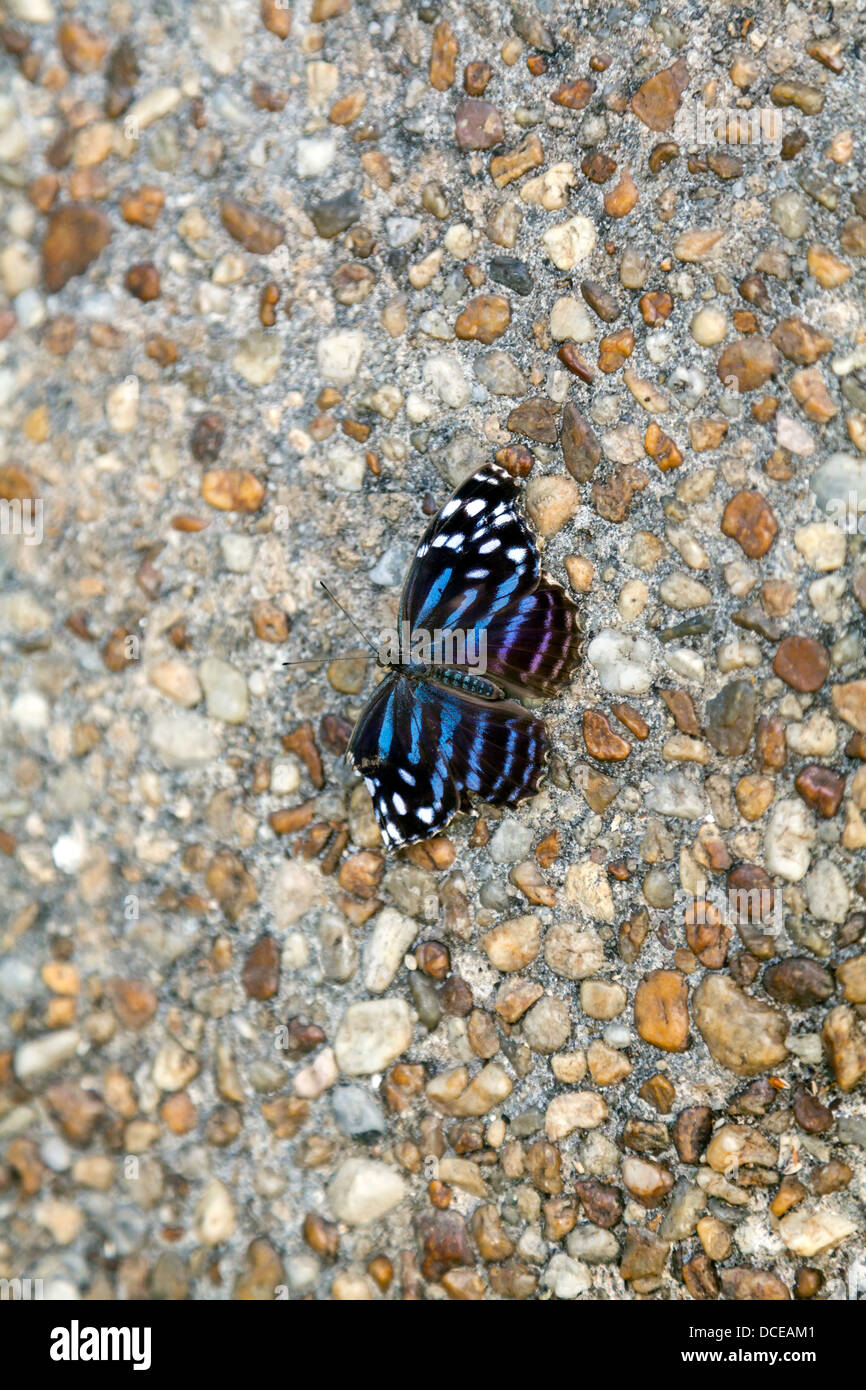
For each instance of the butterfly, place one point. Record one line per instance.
(432, 733)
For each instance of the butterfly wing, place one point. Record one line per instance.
(535, 644)
(420, 745)
(475, 556)
(477, 568)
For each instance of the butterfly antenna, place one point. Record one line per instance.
(320, 660)
(348, 615)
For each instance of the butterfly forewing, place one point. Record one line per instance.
(476, 556)
(477, 568)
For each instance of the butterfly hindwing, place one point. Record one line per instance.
(420, 746)
(535, 644)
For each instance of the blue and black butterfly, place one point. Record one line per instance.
(433, 733)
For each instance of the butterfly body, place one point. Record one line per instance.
(434, 732)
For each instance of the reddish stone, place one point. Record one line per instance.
(802, 663)
(600, 739)
(657, 100)
(821, 788)
(478, 125)
(574, 95)
(748, 519)
(748, 364)
(261, 972)
(75, 236)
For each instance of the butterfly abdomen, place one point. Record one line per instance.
(464, 680)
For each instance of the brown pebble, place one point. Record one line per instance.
(574, 95)
(83, 50)
(691, 1132)
(807, 1282)
(268, 301)
(662, 448)
(707, 434)
(615, 349)
(742, 1282)
(659, 1092)
(270, 622)
(632, 719)
(748, 364)
(478, 125)
(682, 708)
(707, 933)
(655, 306)
(505, 168)
(161, 350)
(141, 207)
(620, 200)
(347, 109)
(266, 98)
(133, 1001)
(845, 1044)
(799, 981)
(256, 233)
(661, 1010)
(445, 1242)
(598, 167)
(75, 236)
(810, 1113)
(361, 873)
(535, 417)
(700, 1278)
(799, 342)
(749, 520)
(291, 818)
(443, 57)
(601, 1202)
(208, 436)
(322, 1236)
(476, 76)
(276, 17)
(657, 100)
(484, 319)
(302, 742)
(600, 300)
(834, 1176)
(571, 357)
(516, 459)
(802, 663)
(662, 154)
(820, 788)
(612, 499)
(434, 959)
(600, 739)
(261, 972)
(455, 997)
(227, 880)
(581, 450)
(232, 490)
